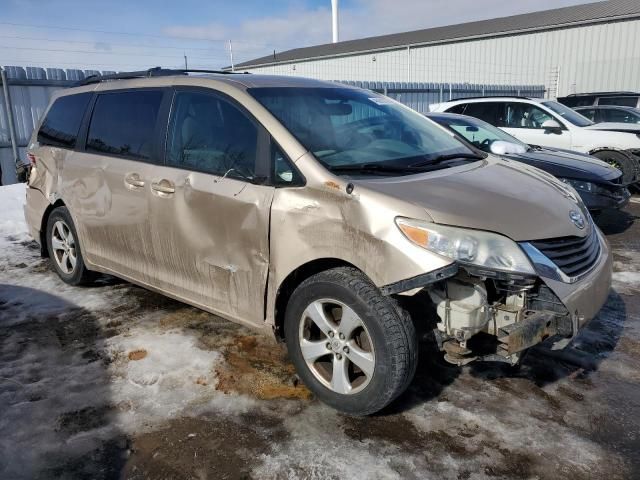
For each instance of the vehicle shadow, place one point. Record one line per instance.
(540, 365)
(593, 344)
(57, 409)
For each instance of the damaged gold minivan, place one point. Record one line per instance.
(333, 216)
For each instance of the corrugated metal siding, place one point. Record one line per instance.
(30, 89)
(559, 17)
(580, 59)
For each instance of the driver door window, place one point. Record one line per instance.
(210, 135)
(524, 115)
(524, 121)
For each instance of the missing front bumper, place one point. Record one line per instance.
(534, 328)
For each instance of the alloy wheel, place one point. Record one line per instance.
(336, 346)
(64, 247)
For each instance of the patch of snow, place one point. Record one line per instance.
(626, 282)
(12, 199)
(318, 448)
(163, 384)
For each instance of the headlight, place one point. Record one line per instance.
(580, 185)
(473, 247)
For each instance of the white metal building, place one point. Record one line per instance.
(592, 47)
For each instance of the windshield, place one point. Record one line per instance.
(347, 128)
(477, 132)
(568, 114)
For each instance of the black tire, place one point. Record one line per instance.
(623, 161)
(79, 274)
(389, 328)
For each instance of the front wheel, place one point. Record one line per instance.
(352, 346)
(623, 161)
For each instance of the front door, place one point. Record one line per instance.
(209, 208)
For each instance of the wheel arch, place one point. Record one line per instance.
(295, 278)
(604, 149)
(44, 248)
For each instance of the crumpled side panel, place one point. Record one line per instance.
(321, 220)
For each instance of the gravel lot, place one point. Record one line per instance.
(113, 381)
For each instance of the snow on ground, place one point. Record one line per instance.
(113, 380)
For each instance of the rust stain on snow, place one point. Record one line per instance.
(256, 365)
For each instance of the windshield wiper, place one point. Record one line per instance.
(444, 158)
(374, 168)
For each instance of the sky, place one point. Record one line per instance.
(137, 34)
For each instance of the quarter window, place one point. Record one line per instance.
(123, 123)
(525, 115)
(60, 126)
(210, 135)
(284, 173)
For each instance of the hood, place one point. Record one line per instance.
(496, 195)
(615, 127)
(566, 164)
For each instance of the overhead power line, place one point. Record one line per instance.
(136, 34)
(99, 52)
(114, 44)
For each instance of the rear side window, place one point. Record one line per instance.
(580, 101)
(211, 135)
(60, 126)
(618, 115)
(622, 101)
(123, 123)
(490, 112)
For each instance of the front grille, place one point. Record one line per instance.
(573, 255)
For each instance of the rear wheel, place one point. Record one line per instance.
(621, 160)
(351, 345)
(64, 249)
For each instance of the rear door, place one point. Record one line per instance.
(524, 121)
(210, 206)
(107, 180)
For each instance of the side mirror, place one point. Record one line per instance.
(500, 147)
(552, 126)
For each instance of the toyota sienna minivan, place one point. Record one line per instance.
(334, 217)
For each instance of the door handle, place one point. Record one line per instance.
(133, 180)
(163, 186)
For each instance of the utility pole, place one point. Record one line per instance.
(186, 66)
(233, 69)
(334, 17)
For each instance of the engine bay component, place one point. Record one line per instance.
(463, 307)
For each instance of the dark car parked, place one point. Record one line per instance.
(625, 99)
(598, 183)
(610, 113)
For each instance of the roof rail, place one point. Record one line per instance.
(151, 72)
(490, 96)
(597, 94)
